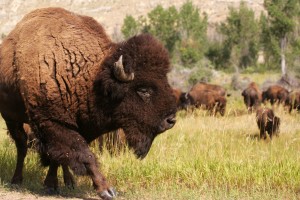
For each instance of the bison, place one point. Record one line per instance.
(61, 74)
(275, 93)
(181, 99)
(208, 99)
(114, 142)
(267, 122)
(207, 86)
(252, 96)
(293, 102)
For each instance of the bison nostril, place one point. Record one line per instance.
(171, 119)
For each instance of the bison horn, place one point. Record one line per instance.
(119, 72)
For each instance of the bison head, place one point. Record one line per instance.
(133, 91)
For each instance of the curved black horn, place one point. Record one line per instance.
(119, 72)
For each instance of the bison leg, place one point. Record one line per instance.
(51, 180)
(263, 134)
(68, 177)
(20, 137)
(68, 148)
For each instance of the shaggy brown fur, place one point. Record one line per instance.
(180, 98)
(208, 99)
(114, 142)
(252, 96)
(293, 102)
(267, 122)
(60, 73)
(275, 93)
(206, 86)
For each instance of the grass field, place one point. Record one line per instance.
(202, 157)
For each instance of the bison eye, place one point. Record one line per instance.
(145, 94)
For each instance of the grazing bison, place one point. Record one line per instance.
(275, 93)
(181, 99)
(208, 99)
(206, 86)
(60, 73)
(114, 141)
(293, 102)
(267, 122)
(252, 96)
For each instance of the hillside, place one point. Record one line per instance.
(111, 13)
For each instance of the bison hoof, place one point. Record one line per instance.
(108, 194)
(70, 182)
(17, 180)
(51, 191)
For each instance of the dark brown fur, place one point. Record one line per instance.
(208, 99)
(181, 98)
(267, 122)
(275, 93)
(252, 96)
(58, 73)
(293, 102)
(114, 142)
(207, 86)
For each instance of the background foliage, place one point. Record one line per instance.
(245, 42)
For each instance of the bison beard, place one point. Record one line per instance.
(60, 73)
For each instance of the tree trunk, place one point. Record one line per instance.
(282, 48)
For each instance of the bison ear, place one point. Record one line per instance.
(120, 73)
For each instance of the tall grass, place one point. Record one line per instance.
(202, 157)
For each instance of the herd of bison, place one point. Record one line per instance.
(213, 98)
(64, 78)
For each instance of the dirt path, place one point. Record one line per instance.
(14, 195)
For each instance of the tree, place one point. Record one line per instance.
(163, 24)
(130, 26)
(241, 31)
(192, 30)
(281, 19)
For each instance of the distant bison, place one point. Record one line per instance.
(267, 122)
(207, 86)
(275, 93)
(252, 96)
(181, 98)
(293, 101)
(114, 142)
(61, 74)
(208, 99)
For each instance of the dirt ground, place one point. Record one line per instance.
(14, 195)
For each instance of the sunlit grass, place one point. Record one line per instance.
(202, 157)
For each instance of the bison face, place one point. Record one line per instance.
(134, 91)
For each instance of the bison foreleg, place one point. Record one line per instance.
(51, 180)
(68, 148)
(68, 177)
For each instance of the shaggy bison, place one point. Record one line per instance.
(267, 122)
(293, 101)
(206, 86)
(252, 96)
(181, 99)
(60, 73)
(208, 99)
(275, 93)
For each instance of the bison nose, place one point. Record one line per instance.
(167, 123)
(171, 120)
